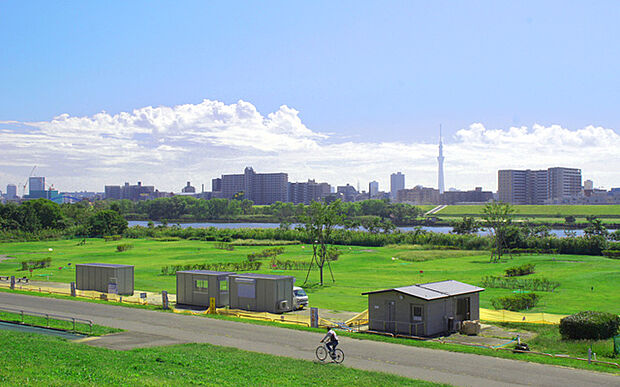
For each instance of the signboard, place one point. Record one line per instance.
(314, 317)
(12, 282)
(164, 299)
(212, 305)
(73, 289)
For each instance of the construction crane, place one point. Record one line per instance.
(26, 182)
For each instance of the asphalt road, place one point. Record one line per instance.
(147, 328)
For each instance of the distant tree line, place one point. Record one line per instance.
(372, 213)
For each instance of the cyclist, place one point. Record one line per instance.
(332, 341)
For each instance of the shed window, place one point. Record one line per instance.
(417, 313)
(246, 288)
(202, 285)
(223, 285)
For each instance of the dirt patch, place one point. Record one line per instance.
(367, 251)
(490, 335)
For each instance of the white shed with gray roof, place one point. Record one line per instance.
(423, 309)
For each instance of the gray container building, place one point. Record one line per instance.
(105, 278)
(261, 292)
(424, 309)
(196, 287)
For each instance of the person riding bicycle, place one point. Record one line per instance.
(332, 341)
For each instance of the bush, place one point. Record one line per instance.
(538, 284)
(614, 254)
(516, 302)
(589, 325)
(124, 247)
(109, 238)
(224, 246)
(517, 271)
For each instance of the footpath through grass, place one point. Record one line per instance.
(28, 359)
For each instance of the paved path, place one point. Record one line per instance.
(147, 327)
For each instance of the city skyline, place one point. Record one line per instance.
(344, 92)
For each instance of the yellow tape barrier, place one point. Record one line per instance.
(262, 316)
(94, 295)
(522, 317)
(487, 315)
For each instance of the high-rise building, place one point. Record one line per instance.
(397, 182)
(537, 186)
(564, 182)
(11, 191)
(112, 192)
(307, 192)
(36, 184)
(216, 184)
(373, 189)
(418, 195)
(348, 192)
(261, 188)
(188, 188)
(440, 182)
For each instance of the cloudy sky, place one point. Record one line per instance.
(165, 93)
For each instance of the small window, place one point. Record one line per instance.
(417, 313)
(202, 285)
(223, 285)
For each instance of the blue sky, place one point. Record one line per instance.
(358, 74)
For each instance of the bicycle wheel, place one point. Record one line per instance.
(338, 356)
(321, 352)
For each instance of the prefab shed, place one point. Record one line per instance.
(105, 278)
(261, 292)
(424, 309)
(196, 287)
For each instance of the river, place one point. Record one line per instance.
(442, 229)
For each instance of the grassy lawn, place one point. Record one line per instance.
(551, 211)
(80, 327)
(26, 359)
(586, 282)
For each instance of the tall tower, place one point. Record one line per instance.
(440, 184)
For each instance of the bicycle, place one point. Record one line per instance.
(322, 352)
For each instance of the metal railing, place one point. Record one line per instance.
(48, 316)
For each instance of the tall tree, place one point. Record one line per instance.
(498, 218)
(319, 223)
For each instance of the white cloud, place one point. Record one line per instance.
(166, 146)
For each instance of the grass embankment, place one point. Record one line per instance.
(65, 325)
(27, 359)
(586, 282)
(539, 213)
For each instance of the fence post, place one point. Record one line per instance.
(22, 313)
(12, 282)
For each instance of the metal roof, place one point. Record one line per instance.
(102, 265)
(434, 290)
(206, 272)
(261, 276)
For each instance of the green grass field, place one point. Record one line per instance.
(26, 359)
(586, 282)
(551, 211)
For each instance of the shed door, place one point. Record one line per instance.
(390, 323)
(463, 309)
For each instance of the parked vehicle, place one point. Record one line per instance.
(300, 298)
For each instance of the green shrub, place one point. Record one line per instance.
(589, 325)
(517, 271)
(124, 247)
(516, 302)
(224, 246)
(614, 254)
(109, 238)
(538, 284)
(36, 264)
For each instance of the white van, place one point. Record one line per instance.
(300, 298)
